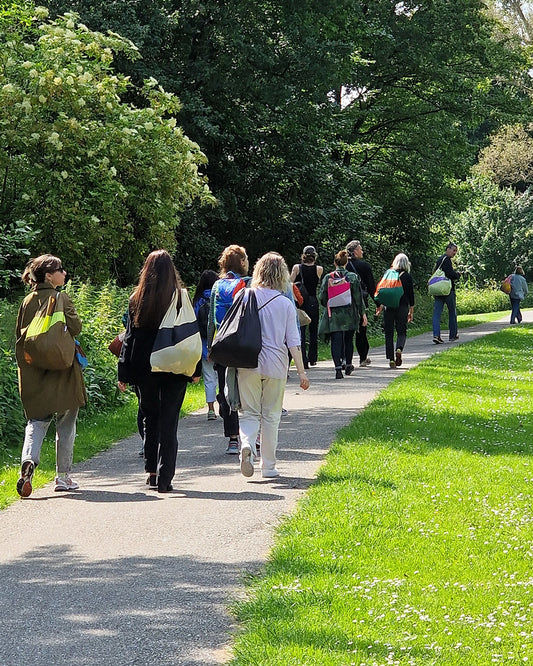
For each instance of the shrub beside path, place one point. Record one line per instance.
(116, 573)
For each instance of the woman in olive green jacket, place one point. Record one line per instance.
(45, 393)
(340, 319)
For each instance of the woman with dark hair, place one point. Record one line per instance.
(160, 394)
(307, 276)
(233, 263)
(201, 304)
(261, 389)
(45, 393)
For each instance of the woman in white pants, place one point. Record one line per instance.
(261, 389)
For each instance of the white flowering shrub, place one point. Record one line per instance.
(102, 182)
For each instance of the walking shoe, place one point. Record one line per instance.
(284, 412)
(392, 364)
(65, 483)
(364, 363)
(151, 481)
(455, 337)
(24, 486)
(211, 415)
(233, 447)
(269, 473)
(141, 451)
(312, 363)
(165, 489)
(349, 369)
(247, 467)
(338, 374)
(438, 340)
(398, 360)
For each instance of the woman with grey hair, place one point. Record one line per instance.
(397, 318)
(261, 389)
(518, 293)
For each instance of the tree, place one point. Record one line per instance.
(508, 159)
(100, 181)
(322, 121)
(495, 232)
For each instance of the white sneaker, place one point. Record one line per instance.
(65, 483)
(269, 473)
(247, 467)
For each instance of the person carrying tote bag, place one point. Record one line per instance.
(50, 382)
(161, 393)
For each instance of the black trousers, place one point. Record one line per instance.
(341, 347)
(395, 319)
(231, 419)
(310, 355)
(161, 396)
(361, 341)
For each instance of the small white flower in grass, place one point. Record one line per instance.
(497, 639)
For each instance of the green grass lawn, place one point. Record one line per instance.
(415, 544)
(94, 434)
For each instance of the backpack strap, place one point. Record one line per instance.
(273, 297)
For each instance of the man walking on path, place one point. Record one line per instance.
(444, 262)
(116, 574)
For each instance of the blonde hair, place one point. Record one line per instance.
(271, 271)
(401, 263)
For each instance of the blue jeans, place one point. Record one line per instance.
(449, 301)
(516, 315)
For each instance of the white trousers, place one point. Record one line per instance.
(65, 435)
(261, 401)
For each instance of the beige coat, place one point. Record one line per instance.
(47, 392)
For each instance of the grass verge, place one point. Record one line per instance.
(415, 544)
(95, 433)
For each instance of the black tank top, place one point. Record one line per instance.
(309, 278)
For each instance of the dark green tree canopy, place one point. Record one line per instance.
(321, 120)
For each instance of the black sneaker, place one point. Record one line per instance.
(438, 340)
(398, 359)
(349, 369)
(456, 337)
(338, 374)
(24, 487)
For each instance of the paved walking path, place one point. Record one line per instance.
(117, 574)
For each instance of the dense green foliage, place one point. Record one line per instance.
(321, 121)
(98, 181)
(414, 545)
(494, 233)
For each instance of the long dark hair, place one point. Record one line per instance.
(206, 281)
(158, 280)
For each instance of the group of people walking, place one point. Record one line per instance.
(249, 399)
